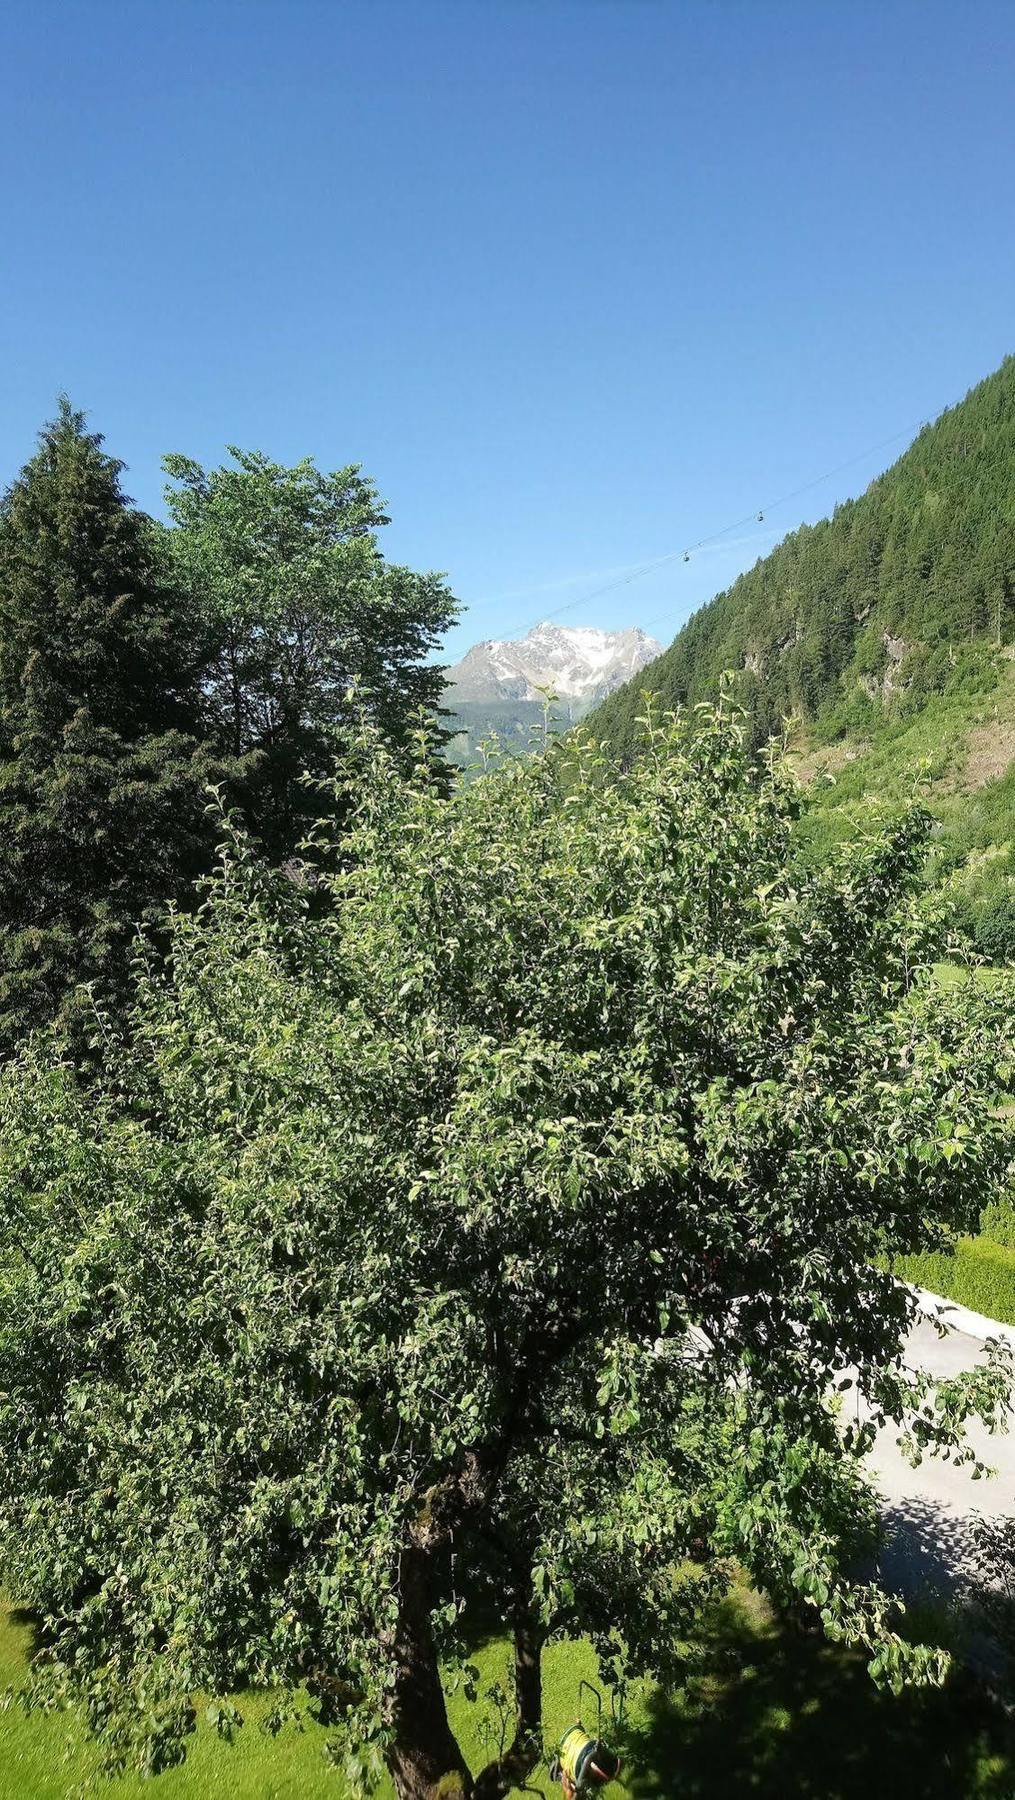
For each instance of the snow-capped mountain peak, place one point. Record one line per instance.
(578, 663)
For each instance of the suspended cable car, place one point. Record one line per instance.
(687, 556)
(761, 518)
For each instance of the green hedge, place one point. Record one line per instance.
(980, 1275)
(998, 1222)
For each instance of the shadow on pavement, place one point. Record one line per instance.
(926, 1547)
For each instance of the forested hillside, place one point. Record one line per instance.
(865, 612)
(886, 634)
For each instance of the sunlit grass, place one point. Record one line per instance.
(763, 1711)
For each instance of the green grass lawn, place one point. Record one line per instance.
(764, 1713)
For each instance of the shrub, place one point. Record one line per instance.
(999, 1222)
(978, 1274)
(993, 1587)
(995, 928)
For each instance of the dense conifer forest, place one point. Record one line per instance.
(867, 610)
(880, 641)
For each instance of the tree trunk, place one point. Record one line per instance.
(424, 1759)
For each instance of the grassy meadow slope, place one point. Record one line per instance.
(954, 752)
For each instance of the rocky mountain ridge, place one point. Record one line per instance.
(578, 663)
(502, 684)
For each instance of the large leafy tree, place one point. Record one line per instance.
(499, 1235)
(298, 605)
(102, 802)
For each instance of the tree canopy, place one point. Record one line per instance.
(102, 778)
(139, 664)
(298, 603)
(496, 1238)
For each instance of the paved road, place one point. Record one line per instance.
(927, 1509)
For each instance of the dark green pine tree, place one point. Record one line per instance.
(102, 779)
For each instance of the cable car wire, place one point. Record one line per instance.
(688, 551)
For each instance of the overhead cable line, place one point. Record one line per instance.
(689, 550)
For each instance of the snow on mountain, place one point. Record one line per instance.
(578, 663)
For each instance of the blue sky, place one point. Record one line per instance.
(577, 282)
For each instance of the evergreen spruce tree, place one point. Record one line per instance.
(102, 779)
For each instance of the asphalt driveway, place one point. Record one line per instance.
(927, 1509)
